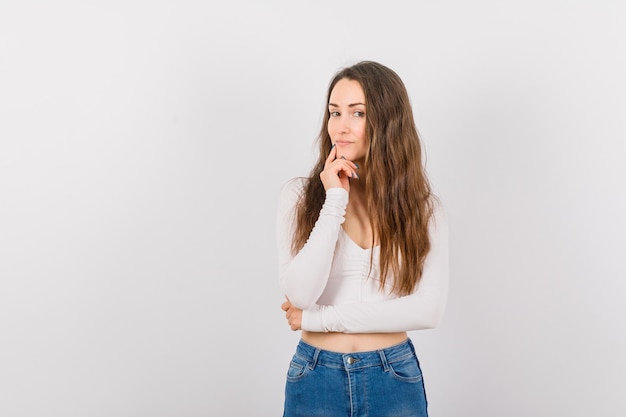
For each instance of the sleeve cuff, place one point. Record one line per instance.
(312, 319)
(336, 202)
(321, 319)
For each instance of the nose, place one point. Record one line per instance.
(343, 125)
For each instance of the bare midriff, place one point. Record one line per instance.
(353, 342)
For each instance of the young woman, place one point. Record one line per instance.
(363, 255)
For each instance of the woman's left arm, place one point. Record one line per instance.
(423, 309)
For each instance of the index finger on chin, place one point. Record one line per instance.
(332, 155)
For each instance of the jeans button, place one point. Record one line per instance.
(351, 360)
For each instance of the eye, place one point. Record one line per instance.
(334, 114)
(359, 113)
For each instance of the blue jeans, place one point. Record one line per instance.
(386, 382)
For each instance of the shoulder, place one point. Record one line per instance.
(290, 193)
(292, 189)
(294, 185)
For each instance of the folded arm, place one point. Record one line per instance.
(423, 309)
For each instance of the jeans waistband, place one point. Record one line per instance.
(381, 357)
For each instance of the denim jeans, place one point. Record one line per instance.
(386, 382)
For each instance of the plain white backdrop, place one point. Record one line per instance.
(143, 145)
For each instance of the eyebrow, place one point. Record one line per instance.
(349, 105)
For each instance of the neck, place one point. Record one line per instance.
(357, 190)
(358, 185)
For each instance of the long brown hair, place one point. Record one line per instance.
(398, 194)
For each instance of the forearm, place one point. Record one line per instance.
(303, 277)
(397, 315)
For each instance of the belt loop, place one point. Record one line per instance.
(410, 343)
(383, 359)
(316, 355)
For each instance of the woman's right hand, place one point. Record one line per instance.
(338, 171)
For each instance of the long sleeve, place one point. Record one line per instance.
(303, 277)
(423, 309)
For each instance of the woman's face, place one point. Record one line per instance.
(346, 125)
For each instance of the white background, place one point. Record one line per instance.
(143, 145)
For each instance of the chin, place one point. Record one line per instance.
(347, 155)
(351, 156)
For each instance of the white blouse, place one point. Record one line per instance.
(331, 280)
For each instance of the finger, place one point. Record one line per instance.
(332, 155)
(352, 164)
(285, 306)
(345, 168)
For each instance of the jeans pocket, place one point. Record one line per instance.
(297, 369)
(406, 370)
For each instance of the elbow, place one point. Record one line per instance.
(430, 319)
(296, 286)
(427, 324)
(431, 310)
(436, 316)
(433, 322)
(299, 300)
(297, 295)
